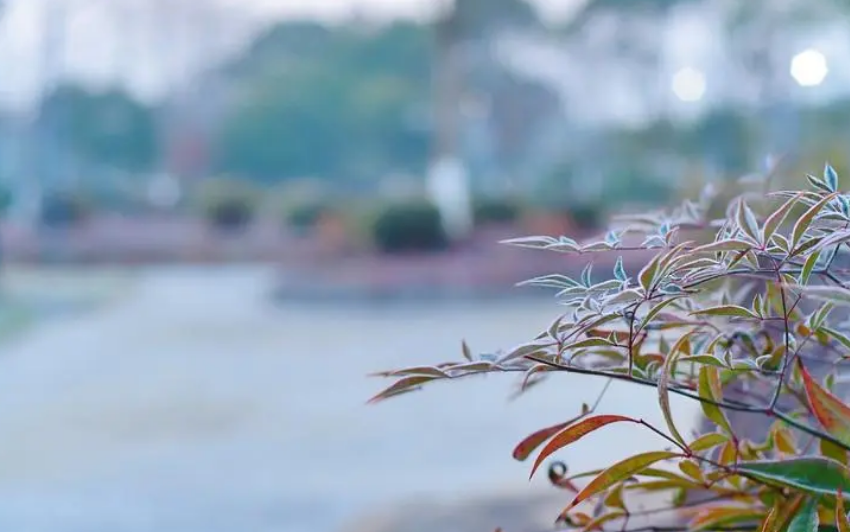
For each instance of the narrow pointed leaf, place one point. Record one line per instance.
(663, 388)
(403, 385)
(747, 221)
(806, 520)
(647, 275)
(620, 471)
(805, 221)
(808, 267)
(653, 313)
(707, 441)
(527, 446)
(725, 245)
(726, 310)
(619, 271)
(709, 389)
(574, 433)
(830, 177)
(777, 217)
(832, 413)
(811, 474)
(467, 352)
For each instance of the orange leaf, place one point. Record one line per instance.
(829, 410)
(620, 471)
(575, 432)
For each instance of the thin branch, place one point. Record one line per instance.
(726, 404)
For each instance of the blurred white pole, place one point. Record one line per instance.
(448, 180)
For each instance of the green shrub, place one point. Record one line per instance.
(305, 216)
(409, 227)
(586, 216)
(228, 205)
(493, 211)
(750, 323)
(64, 209)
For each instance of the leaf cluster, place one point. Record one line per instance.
(748, 322)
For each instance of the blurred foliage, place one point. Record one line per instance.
(305, 216)
(108, 128)
(228, 204)
(495, 211)
(409, 227)
(67, 208)
(341, 103)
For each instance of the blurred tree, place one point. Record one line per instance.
(478, 18)
(334, 104)
(109, 128)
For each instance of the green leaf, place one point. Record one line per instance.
(839, 336)
(709, 388)
(663, 385)
(811, 474)
(590, 342)
(574, 433)
(747, 221)
(625, 297)
(817, 183)
(806, 520)
(705, 359)
(707, 441)
(833, 451)
(647, 274)
(829, 410)
(657, 309)
(726, 310)
(808, 267)
(724, 245)
(805, 221)
(778, 216)
(620, 471)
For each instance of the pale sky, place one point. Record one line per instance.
(150, 44)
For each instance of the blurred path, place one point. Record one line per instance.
(192, 403)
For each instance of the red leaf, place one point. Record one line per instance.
(532, 442)
(575, 432)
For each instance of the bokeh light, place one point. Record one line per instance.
(809, 68)
(689, 84)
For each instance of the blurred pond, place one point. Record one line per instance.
(189, 401)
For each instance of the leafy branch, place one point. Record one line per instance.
(745, 314)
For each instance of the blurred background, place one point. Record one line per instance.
(218, 216)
